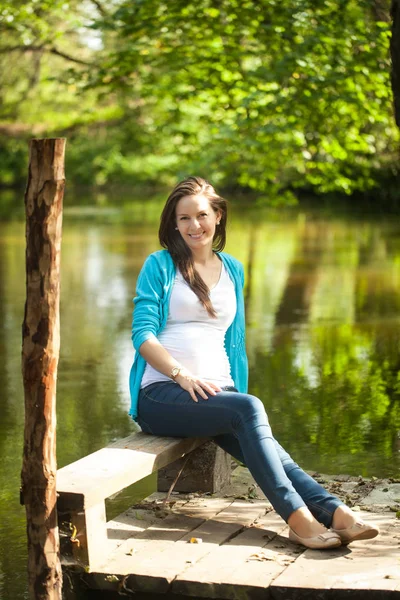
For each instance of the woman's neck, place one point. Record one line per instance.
(204, 258)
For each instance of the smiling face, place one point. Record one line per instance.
(196, 221)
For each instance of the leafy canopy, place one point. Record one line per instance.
(267, 95)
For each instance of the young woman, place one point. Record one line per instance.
(189, 377)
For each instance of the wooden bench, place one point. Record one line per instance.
(84, 485)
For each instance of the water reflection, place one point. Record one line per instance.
(324, 341)
(323, 300)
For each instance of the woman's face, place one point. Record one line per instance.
(196, 221)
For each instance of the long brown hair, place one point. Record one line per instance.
(177, 247)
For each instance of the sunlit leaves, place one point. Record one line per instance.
(265, 95)
(268, 81)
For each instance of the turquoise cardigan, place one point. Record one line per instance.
(153, 291)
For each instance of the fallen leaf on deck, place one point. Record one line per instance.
(260, 557)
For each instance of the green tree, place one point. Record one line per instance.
(268, 96)
(273, 97)
(44, 46)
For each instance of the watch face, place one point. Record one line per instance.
(174, 372)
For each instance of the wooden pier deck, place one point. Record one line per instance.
(235, 547)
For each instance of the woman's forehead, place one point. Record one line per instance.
(189, 204)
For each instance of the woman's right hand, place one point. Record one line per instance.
(194, 385)
(158, 357)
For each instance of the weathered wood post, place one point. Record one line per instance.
(206, 469)
(40, 350)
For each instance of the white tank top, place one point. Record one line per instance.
(192, 337)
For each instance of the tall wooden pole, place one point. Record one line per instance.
(40, 350)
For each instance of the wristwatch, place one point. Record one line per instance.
(175, 372)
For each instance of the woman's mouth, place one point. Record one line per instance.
(196, 236)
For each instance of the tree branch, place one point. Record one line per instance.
(50, 49)
(100, 8)
(68, 57)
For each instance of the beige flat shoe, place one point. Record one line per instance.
(358, 531)
(317, 542)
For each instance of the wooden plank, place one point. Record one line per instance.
(161, 534)
(156, 566)
(370, 565)
(109, 470)
(138, 442)
(93, 535)
(129, 525)
(243, 567)
(119, 530)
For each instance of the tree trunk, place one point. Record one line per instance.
(381, 10)
(40, 350)
(395, 55)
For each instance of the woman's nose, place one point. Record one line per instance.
(195, 224)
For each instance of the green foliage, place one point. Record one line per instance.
(263, 95)
(39, 41)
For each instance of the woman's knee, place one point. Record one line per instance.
(251, 408)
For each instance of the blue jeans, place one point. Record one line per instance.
(239, 424)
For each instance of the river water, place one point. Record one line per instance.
(323, 313)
